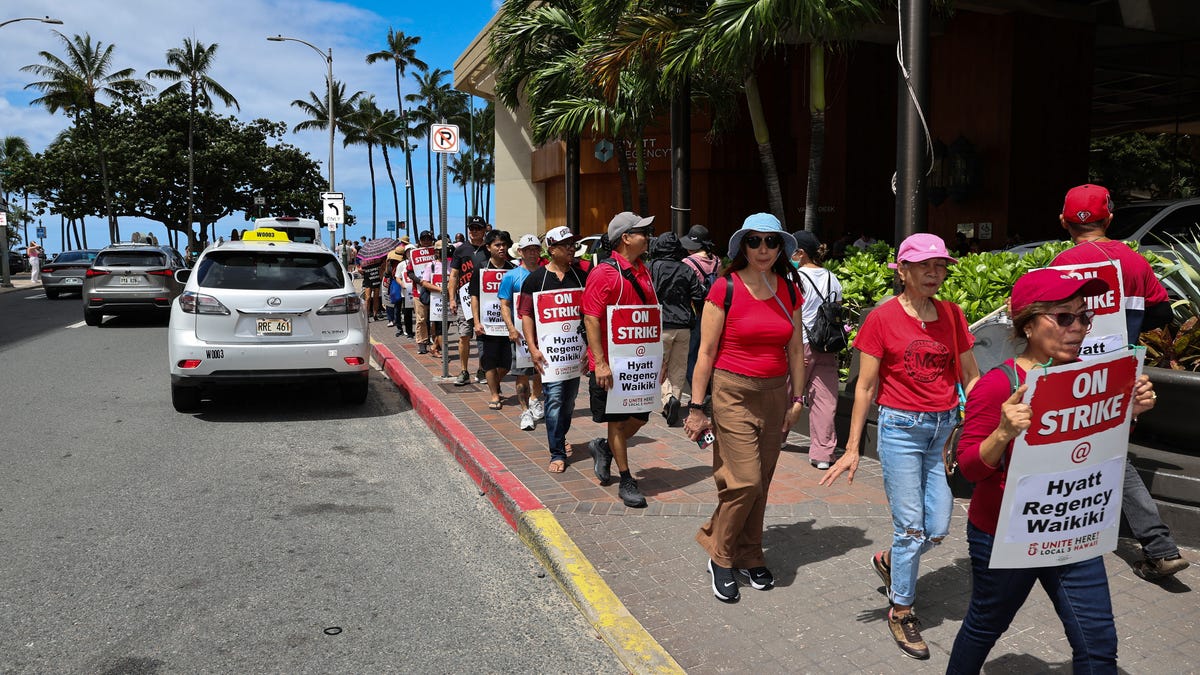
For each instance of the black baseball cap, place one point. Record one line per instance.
(425, 234)
(476, 223)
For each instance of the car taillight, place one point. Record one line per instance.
(198, 303)
(354, 360)
(48, 270)
(95, 273)
(342, 304)
(160, 273)
(188, 364)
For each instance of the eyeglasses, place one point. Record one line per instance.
(1067, 319)
(773, 241)
(642, 230)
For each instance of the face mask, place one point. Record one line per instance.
(796, 264)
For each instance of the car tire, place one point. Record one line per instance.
(355, 393)
(52, 294)
(185, 399)
(92, 317)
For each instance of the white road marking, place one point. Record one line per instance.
(39, 296)
(81, 324)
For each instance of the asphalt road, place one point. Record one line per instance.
(276, 531)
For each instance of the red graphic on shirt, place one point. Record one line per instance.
(925, 360)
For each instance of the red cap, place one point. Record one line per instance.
(1087, 204)
(1051, 285)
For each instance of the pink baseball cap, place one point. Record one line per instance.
(1051, 285)
(1087, 204)
(921, 246)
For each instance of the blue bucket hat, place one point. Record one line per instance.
(766, 223)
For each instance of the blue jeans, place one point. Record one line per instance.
(1079, 592)
(910, 450)
(559, 400)
(1142, 515)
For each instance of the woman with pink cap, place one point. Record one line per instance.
(1050, 314)
(914, 352)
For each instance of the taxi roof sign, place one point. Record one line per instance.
(265, 234)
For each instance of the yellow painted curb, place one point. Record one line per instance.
(633, 645)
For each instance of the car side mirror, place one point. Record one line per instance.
(182, 276)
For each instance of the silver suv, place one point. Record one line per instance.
(263, 311)
(129, 278)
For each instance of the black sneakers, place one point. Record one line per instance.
(602, 459)
(760, 577)
(723, 584)
(464, 378)
(480, 377)
(422, 348)
(671, 411)
(906, 630)
(630, 494)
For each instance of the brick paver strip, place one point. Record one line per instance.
(826, 614)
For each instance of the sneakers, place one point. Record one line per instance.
(723, 584)
(391, 324)
(464, 378)
(884, 570)
(538, 410)
(671, 411)
(760, 577)
(823, 466)
(526, 420)
(907, 632)
(480, 376)
(1153, 569)
(422, 348)
(602, 458)
(630, 494)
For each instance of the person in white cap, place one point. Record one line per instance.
(624, 281)
(529, 385)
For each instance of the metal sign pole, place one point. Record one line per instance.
(445, 272)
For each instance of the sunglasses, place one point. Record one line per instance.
(773, 241)
(642, 230)
(1067, 319)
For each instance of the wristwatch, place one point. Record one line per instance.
(692, 405)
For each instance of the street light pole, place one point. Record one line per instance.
(5, 272)
(328, 57)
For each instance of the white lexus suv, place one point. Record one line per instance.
(264, 310)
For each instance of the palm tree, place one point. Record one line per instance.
(12, 149)
(439, 102)
(401, 51)
(371, 126)
(74, 85)
(191, 64)
(318, 112)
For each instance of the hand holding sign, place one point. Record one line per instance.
(1144, 397)
(1015, 415)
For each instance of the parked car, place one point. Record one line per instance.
(298, 230)
(1147, 223)
(17, 262)
(131, 278)
(266, 312)
(65, 274)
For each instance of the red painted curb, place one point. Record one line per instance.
(509, 495)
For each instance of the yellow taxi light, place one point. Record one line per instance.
(265, 234)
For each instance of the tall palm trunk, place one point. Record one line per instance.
(114, 233)
(371, 167)
(640, 164)
(766, 154)
(816, 145)
(191, 204)
(387, 163)
(429, 185)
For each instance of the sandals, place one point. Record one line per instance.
(557, 466)
(495, 405)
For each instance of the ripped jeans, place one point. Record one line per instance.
(910, 451)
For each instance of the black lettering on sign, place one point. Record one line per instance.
(214, 353)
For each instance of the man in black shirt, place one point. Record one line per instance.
(465, 259)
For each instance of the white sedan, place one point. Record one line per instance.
(264, 310)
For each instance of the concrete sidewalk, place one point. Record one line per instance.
(825, 614)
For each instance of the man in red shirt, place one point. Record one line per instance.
(623, 281)
(1086, 215)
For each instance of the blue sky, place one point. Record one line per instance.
(264, 76)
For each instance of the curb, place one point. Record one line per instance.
(535, 525)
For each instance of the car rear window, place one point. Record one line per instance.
(75, 256)
(299, 235)
(270, 271)
(131, 259)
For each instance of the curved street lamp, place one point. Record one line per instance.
(328, 57)
(5, 273)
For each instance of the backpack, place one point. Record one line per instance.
(729, 293)
(950, 447)
(707, 279)
(828, 332)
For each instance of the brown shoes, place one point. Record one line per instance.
(1154, 569)
(906, 630)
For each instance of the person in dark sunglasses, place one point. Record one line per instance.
(1048, 312)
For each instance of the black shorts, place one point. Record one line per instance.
(598, 397)
(495, 351)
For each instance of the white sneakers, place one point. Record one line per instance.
(538, 410)
(526, 420)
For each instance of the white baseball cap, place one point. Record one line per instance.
(528, 240)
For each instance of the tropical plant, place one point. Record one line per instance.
(318, 111)
(74, 85)
(189, 72)
(439, 103)
(401, 52)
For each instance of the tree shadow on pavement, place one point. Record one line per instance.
(791, 546)
(656, 480)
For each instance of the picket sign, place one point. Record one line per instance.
(560, 336)
(489, 302)
(635, 356)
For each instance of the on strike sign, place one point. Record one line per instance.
(1062, 500)
(489, 303)
(558, 318)
(635, 356)
(435, 299)
(1108, 326)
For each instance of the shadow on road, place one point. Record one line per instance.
(291, 402)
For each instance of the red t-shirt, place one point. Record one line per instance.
(916, 358)
(982, 418)
(1142, 288)
(606, 286)
(756, 333)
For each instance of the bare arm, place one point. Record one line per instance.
(712, 323)
(864, 394)
(795, 350)
(596, 344)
